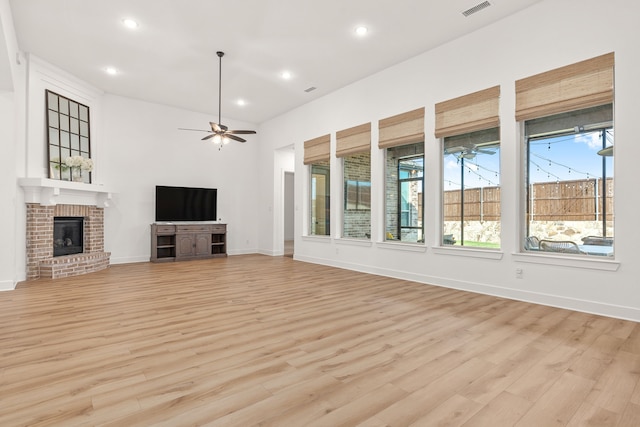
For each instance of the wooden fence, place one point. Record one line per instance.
(576, 200)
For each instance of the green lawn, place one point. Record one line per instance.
(472, 244)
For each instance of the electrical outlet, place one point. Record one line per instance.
(519, 273)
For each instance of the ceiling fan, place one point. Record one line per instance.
(607, 152)
(468, 152)
(219, 133)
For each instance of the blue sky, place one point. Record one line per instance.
(482, 171)
(568, 158)
(562, 158)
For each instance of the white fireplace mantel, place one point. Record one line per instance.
(50, 192)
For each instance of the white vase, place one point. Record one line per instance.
(76, 175)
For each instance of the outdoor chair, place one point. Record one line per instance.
(448, 239)
(563, 246)
(532, 243)
(598, 241)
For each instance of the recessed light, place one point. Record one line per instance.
(130, 23)
(241, 102)
(112, 71)
(285, 75)
(361, 30)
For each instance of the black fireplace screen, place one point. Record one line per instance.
(68, 235)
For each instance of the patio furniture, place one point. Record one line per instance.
(597, 240)
(562, 246)
(532, 243)
(601, 250)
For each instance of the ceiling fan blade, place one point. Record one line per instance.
(215, 127)
(241, 132)
(195, 130)
(454, 150)
(208, 136)
(235, 138)
(607, 152)
(484, 151)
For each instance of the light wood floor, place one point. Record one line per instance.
(269, 341)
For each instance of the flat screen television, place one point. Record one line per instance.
(185, 204)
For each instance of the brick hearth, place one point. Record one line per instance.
(40, 259)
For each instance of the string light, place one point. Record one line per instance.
(552, 162)
(480, 177)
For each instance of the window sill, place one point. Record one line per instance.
(577, 261)
(319, 239)
(353, 242)
(468, 252)
(410, 247)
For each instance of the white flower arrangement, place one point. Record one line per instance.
(79, 162)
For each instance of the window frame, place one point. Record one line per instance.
(487, 139)
(80, 135)
(597, 126)
(421, 201)
(362, 209)
(322, 166)
(397, 189)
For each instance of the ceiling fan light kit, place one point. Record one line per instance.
(219, 133)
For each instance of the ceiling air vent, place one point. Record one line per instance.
(476, 8)
(310, 89)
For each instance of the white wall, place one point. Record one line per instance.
(272, 202)
(8, 189)
(12, 101)
(548, 35)
(144, 148)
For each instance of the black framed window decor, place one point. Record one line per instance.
(68, 136)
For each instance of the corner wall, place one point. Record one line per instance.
(11, 104)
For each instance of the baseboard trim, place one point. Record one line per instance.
(7, 285)
(128, 260)
(242, 252)
(586, 306)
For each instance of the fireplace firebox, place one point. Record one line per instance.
(68, 236)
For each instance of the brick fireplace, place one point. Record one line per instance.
(46, 199)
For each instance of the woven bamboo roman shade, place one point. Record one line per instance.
(468, 113)
(405, 128)
(577, 86)
(317, 149)
(354, 140)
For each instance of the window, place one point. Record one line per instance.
(402, 138)
(68, 136)
(471, 193)
(470, 130)
(353, 145)
(357, 196)
(316, 156)
(320, 199)
(568, 135)
(404, 175)
(570, 179)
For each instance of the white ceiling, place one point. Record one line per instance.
(170, 59)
